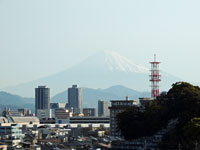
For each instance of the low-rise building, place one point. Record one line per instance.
(89, 120)
(44, 113)
(20, 120)
(26, 120)
(62, 115)
(55, 106)
(12, 131)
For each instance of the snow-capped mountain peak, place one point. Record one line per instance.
(115, 62)
(100, 70)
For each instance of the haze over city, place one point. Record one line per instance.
(40, 38)
(99, 75)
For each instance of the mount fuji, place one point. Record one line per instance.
(101, 70)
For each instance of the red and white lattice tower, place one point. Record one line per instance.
(155, 78)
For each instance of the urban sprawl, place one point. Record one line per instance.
(70, 126)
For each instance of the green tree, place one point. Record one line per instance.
(181, 102)
(192, 133)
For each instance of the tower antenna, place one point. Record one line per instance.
(155, 78)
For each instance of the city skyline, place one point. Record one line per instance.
(90, 74)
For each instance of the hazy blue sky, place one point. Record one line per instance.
(41, 37)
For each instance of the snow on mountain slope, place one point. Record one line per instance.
(117, 62)
(110, 61)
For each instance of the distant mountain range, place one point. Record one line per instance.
(90, 97)
(15, 101)
(101, 70)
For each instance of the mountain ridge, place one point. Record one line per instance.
(90, 97)
(100, 70)
(14, 101)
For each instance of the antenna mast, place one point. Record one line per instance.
(155, 78)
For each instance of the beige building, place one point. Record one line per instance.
(62, 115)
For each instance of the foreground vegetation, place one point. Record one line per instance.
(182, 103)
